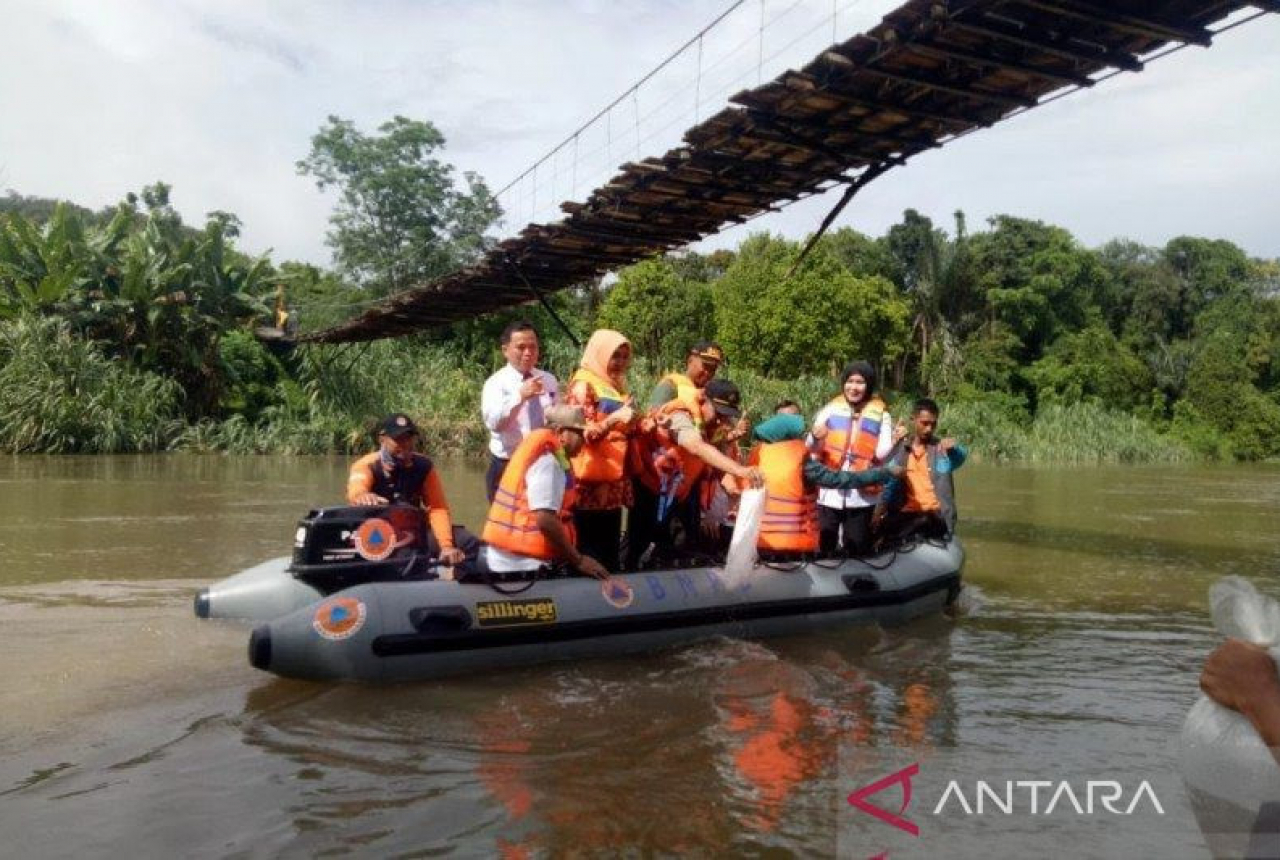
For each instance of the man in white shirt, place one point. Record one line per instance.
(515, 399)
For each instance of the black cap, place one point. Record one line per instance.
(725, 397)
(398, 425)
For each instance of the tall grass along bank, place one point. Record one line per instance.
(60, 394)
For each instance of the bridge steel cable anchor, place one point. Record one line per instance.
(515, 267)
(855, 185)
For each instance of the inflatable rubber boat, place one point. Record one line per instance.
(337, 611)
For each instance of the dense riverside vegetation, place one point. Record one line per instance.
(127, 330)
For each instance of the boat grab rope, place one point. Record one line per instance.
(492, 581)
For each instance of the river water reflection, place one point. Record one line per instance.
(127, 724)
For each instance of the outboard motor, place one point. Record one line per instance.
(333, 549)
(336, 548)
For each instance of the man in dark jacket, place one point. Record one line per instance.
(921, 501)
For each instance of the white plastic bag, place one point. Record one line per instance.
(742, 548)
(1228, 770)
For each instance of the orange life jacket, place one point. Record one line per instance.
(790, 521)
(657, 460)
(511, 525)
(853, 448)
(605, 459)
(692, 397)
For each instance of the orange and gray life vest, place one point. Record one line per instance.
(604, 460)
(790, 520)
(941, 468)
(659, 462)
(397, 482)
(512, 525)
(850, 447)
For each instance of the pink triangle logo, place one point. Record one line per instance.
(859, 799)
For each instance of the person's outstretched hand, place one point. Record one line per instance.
(591, 567)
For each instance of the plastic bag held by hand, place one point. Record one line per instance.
(1228, 770)
(742, 549)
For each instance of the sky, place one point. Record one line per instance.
(221, 99)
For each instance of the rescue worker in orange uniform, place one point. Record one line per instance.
(924, 501)
(397, 474)
(791, 480)
(668, 456)
(530, 523)
(599, 386)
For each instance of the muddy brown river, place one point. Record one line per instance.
(129, 726)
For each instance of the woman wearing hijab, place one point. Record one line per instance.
(855, 433)
(599, 386)
(792, 480)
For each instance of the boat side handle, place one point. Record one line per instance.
(861, 583)
(440, 619)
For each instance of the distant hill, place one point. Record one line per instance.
(40, 209)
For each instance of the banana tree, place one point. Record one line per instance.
(147, 288)
(40, 268)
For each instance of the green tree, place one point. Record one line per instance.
(1220, 395)
(1209, 270)
(703, 268)
(1136, 274)
(1265, 349)
(861, 255)
(251, 375)
(989, 359)
(321, 298)
(1091, 365)
(936, 281)
(41, 266)
(400, 218)
(661, 312)
(1037, 280)
(149, 289)
(810, 322)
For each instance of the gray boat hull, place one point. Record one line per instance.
(401, 631)
(258, 593)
